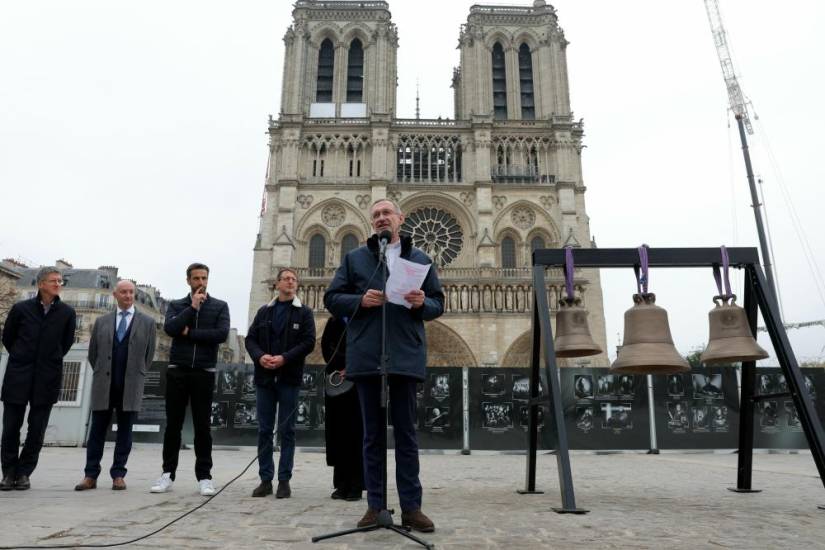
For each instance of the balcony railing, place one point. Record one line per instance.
(450, 273)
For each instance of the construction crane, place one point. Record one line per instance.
(804, 324)
(739, 106)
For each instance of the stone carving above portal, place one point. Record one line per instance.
(304, 200)
(523, 217)
(362, 200)
(333, 215)
(499, 201)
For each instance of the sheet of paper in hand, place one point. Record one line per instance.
(405, 277)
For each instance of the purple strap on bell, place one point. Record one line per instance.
(725, 294)
(642, 279)
(568, 272)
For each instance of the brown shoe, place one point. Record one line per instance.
(370, 518)
(86, 484)
(418, 521)
(118, 484)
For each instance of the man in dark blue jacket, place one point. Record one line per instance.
(198, 325)
(38, 333)
(356, 292)
(281, 336)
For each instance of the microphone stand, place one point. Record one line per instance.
(384, 520)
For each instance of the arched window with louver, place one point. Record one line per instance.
(525, 74)
(499, 83)
(348, 243)
(317, 252)
(355, 72)
(326, 67)
(508, 253)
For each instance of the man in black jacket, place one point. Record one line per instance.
(198, 324)
(38, 333)
(281, 336)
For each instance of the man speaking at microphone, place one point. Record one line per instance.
(359, 280)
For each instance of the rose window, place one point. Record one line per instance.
(436, 232)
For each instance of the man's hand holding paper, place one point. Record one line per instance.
(404, 283)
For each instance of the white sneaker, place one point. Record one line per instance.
(206, 487)
(163, 484)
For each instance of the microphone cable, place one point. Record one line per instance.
(209, 499)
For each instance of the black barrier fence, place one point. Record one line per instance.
(602, 411)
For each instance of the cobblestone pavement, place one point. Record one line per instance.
(635, 501)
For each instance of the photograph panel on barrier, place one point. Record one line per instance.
(524, 416)
(248, 388)
(439, 386)
(605, 386)
(437, 418)
(308, 383)
(245, 415)
(302, 413)
(497, 416)
(219, 417)
(699, 418)
(676, 385)
(583, 386)
(617, 416)
(719, 418)
(227, 383)
(584, 418)
(768, 414)
(792, 416)
(493, 384)
(707, 386)
(677, 417)
(624, 386)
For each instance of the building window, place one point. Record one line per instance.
(508, 253)
(317, 251)
(348, 243)
(70, 386)
(326, 66)
(431, 159)
(436, 232)
(499, 83)
(536, 243)
(525, 74)
(355, 72)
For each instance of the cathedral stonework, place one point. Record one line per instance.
(480, 190)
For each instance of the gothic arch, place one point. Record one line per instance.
(323, 31)
(520, 351)
(542, 221)
(312, 218)
(446, 348)
(528, 37)
(353, 30)
(350, 228)
(500, 37)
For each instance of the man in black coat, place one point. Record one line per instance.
(356, 292)
(198, 325)
(38, 334)
(279, 339)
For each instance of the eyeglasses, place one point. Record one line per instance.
(287, 279)
(58, 282)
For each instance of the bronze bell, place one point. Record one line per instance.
(573, 337)
(648, 346)
(730, 337)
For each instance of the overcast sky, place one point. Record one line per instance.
(133, 134)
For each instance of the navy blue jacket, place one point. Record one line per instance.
(297, 342)
(208, 329)
(406, 341)
(36, 345)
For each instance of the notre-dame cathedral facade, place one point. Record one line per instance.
(480, 189)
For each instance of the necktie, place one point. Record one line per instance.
(121, 327)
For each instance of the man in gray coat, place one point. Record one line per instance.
(120, 352)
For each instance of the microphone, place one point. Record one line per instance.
(383, 240)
